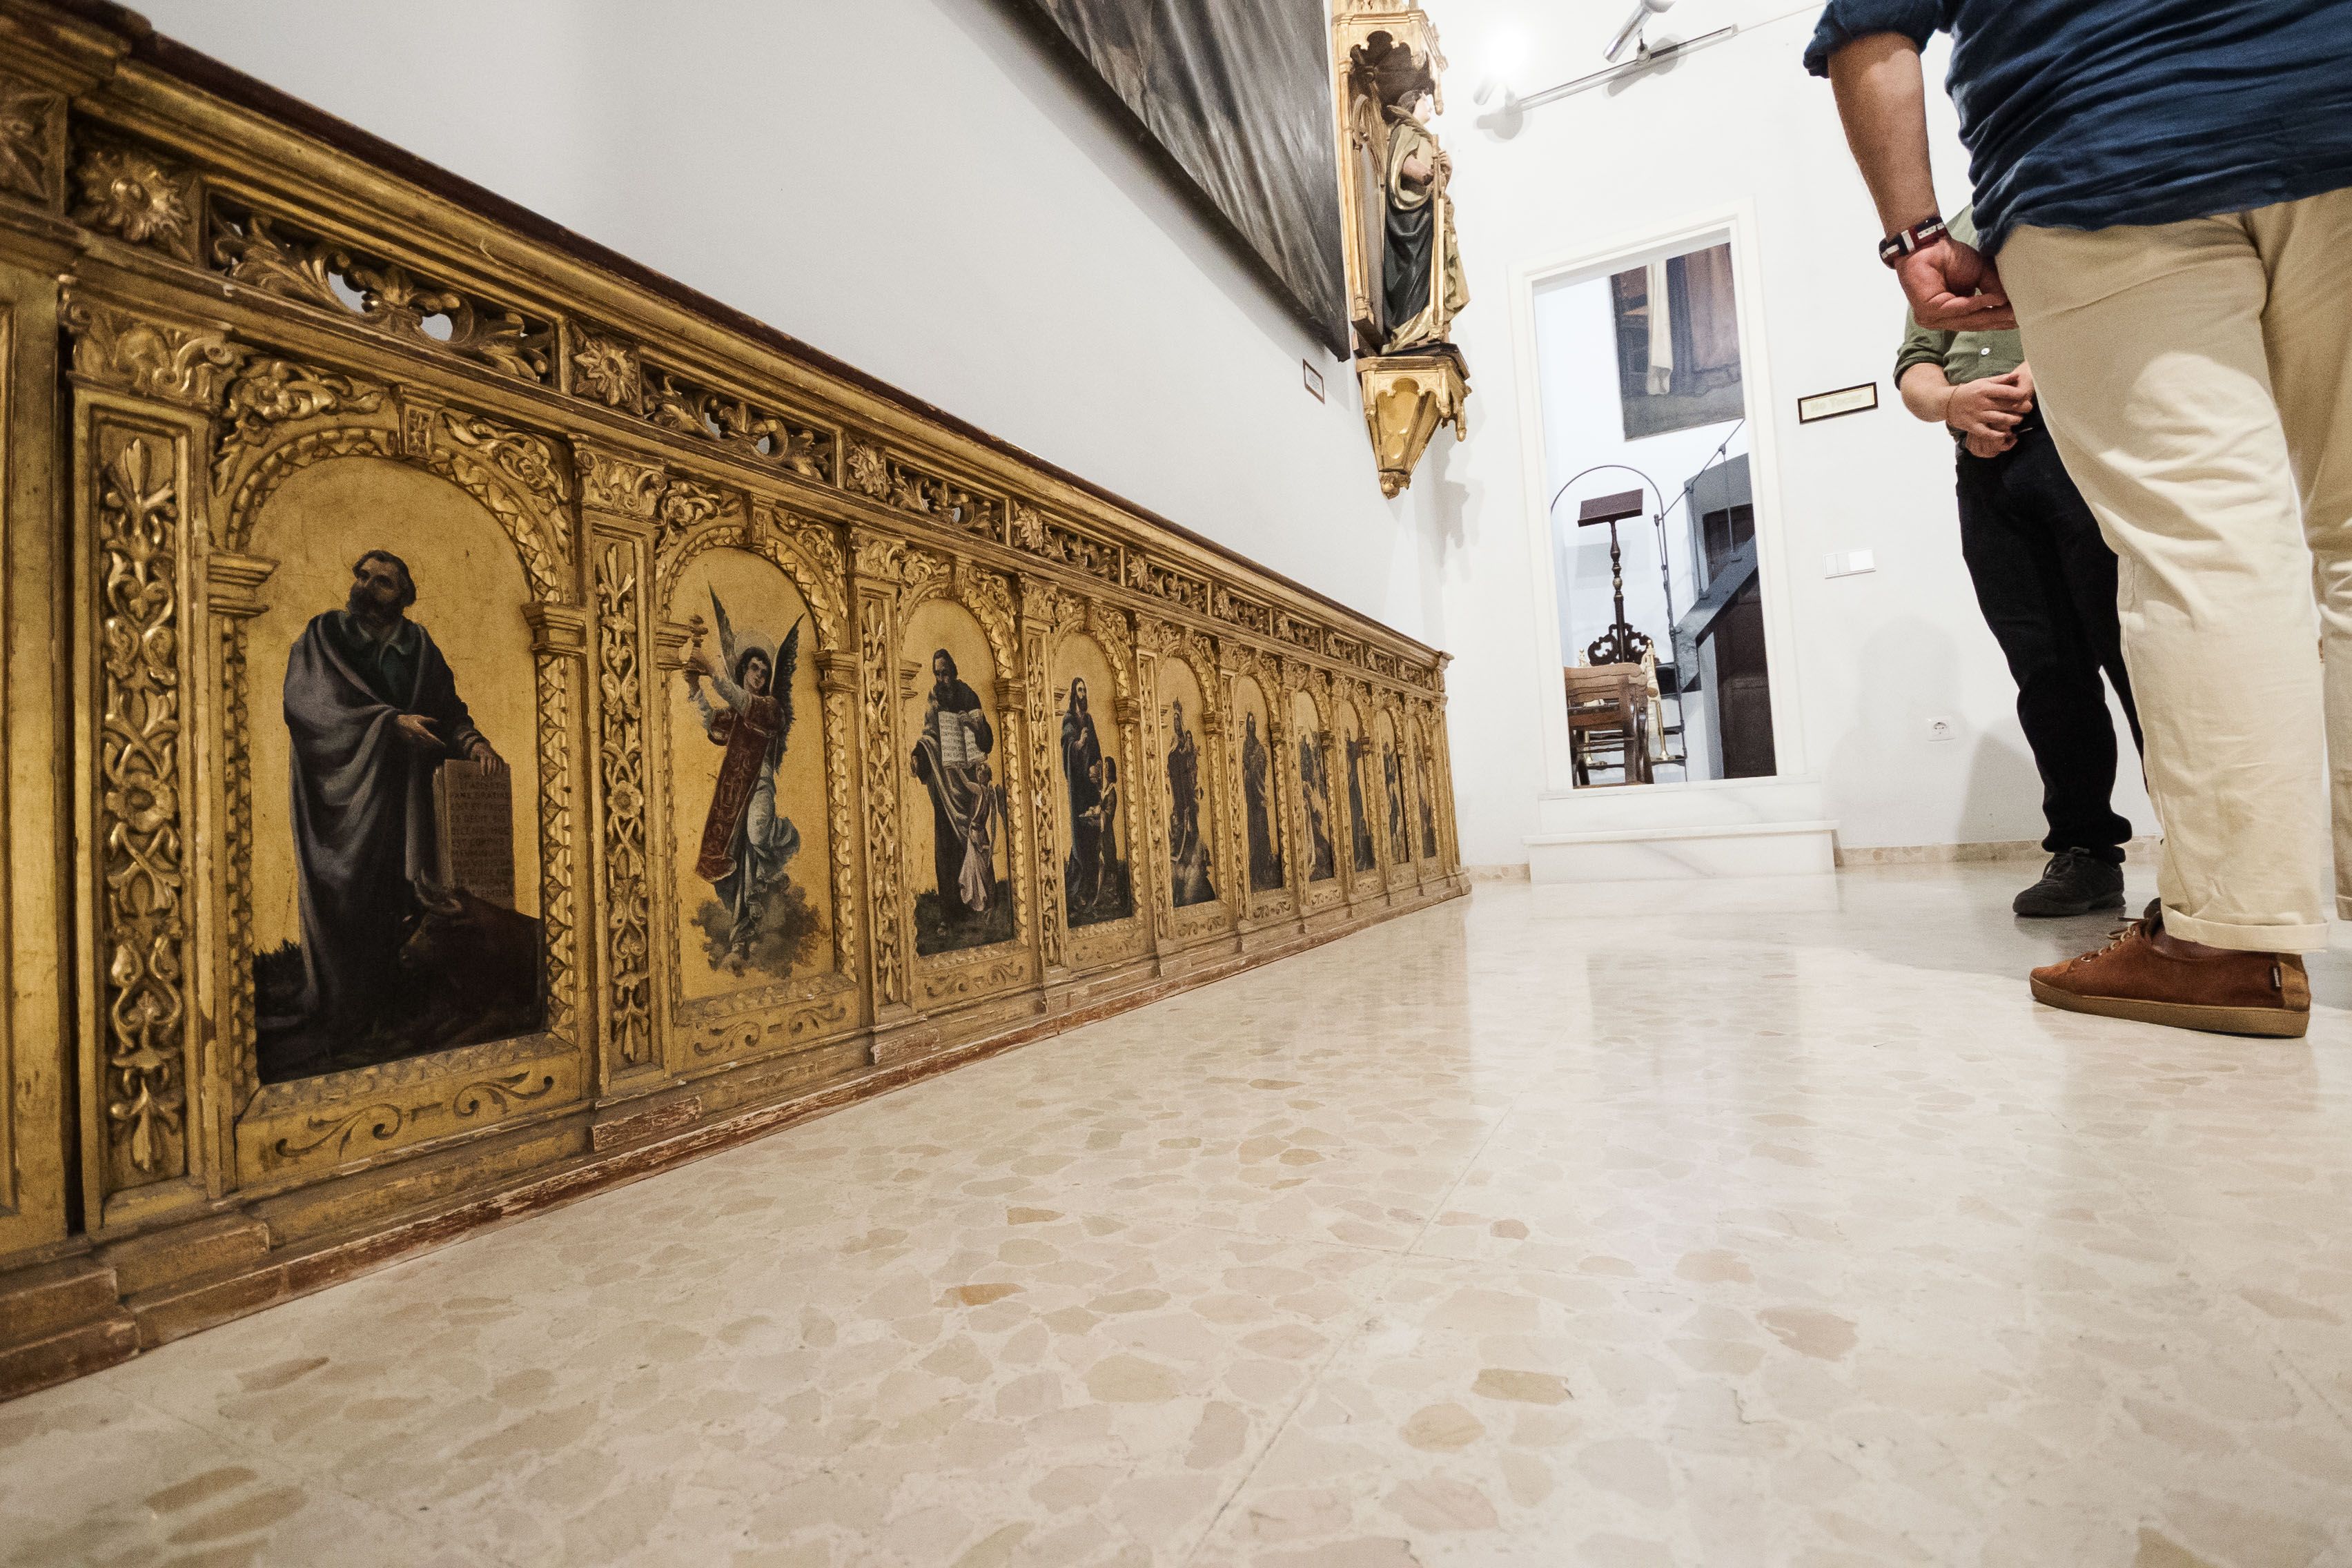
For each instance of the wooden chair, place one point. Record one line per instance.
(1608, 712)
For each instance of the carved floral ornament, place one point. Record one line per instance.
(142, 852)
(125, 192)
(141, 197)
(29, 123)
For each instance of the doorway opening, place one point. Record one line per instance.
(1643, 400)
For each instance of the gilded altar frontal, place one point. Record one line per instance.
(481, 722)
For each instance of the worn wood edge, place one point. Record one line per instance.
(178, 1310)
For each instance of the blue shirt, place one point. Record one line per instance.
(2091, 113)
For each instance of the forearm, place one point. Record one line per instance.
(1882, 98)
(1926, 392)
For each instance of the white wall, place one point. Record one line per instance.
(908, 184)
(1877, 656)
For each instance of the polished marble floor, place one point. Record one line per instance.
(1757, 1225)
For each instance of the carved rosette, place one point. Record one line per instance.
(136, 197)
(607, 370)
(143, 907)
(628, 915)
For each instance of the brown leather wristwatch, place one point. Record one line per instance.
(1919, 235)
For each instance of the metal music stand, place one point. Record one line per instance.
(1621, 643)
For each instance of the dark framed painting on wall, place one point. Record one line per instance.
(1233, 99)
(1678, 343)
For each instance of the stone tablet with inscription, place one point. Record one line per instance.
(475, 808)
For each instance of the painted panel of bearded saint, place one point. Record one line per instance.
(1355, 752)
(1314, 788)
(1261, 806)
(1097, 885)
(746, 780)
(1192, 870)
(395, 882)
(1424, 772)
(958, 862)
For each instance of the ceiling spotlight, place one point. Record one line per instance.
(1631, 30)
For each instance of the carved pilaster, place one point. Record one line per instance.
(628, 1026)
(876, 562)
(1149, 649)
(558, 647)
(1038, 601)
(235, 584)
(140, 1051)
(1225, 752)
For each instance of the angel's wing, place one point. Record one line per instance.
(788, 659)
(726, 633)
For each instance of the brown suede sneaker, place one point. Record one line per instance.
(2229, 992)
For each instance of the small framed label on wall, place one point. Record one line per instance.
(1836, 405)
(1314, 379)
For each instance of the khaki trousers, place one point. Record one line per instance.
(2198, 378)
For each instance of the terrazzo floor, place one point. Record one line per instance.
(1767, 1224)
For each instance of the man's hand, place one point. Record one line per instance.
(1989, 446)
(1953, 287)
(484, 758)
(1991, 408)
(416, 730)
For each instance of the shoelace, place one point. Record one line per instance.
(2116, 939)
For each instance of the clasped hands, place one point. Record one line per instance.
(1986, 412)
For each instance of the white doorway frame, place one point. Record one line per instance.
(1736, 224)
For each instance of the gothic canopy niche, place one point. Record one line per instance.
(1404, 269)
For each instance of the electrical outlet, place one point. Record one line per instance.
(1942, 730)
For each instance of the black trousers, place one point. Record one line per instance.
(2046, 581)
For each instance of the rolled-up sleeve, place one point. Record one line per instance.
(1920, 346)
(1843, 21)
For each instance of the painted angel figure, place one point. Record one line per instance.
(746, 842)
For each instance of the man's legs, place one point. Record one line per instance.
(2308, 332)
(2041, 488)
(2015, 560)
(2149, 350)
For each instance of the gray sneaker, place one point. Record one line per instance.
(2075, 882)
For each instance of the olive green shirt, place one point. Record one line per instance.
(1963, 356)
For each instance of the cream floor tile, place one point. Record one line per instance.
(88, 1476)
(1559, 1226)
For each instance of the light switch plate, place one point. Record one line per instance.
(1849, 562)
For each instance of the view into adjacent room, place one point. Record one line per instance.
(1654, 522)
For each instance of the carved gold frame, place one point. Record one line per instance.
(202, 295)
